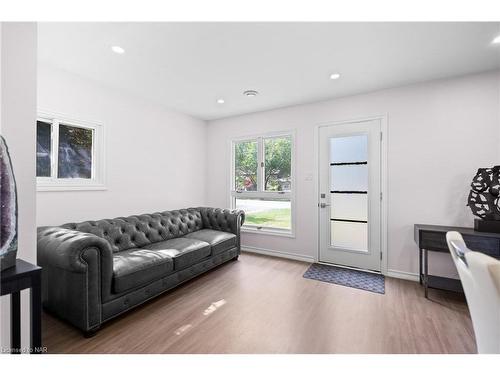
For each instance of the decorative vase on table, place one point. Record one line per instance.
(484, 200)
(8, 209)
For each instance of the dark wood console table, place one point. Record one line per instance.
(433, 238)
(22, 276)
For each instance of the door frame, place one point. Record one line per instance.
(383, 183)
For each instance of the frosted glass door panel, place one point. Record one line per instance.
(349, 194)
(349, 206)
(349, 149)
(353, 236)
(349, 177)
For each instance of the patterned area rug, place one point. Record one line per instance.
(371, 282)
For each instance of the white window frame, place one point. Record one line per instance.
(260, 193)
(53, 183)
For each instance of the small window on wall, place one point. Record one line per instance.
(69, 154)
(262, 182)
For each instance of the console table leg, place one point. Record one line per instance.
(36, 316)
(426, 272)
(420, 266)
(15, 322)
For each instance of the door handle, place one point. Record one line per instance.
(323, 205)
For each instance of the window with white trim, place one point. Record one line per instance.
(262, 182)
(68, 154)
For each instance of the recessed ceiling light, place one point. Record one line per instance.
(496, 40)
(118, 49)
(250, 93)
(335, 76)
(220, 101)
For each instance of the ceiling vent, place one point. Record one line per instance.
(250, 93)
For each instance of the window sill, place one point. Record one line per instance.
(268, 232)
(63, 187)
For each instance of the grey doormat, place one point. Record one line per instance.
(371, 282)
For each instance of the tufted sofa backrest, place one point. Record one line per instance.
(219, 219)
(125, 233)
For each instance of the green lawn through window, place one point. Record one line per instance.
(274, 218)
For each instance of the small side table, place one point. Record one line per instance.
(13, 280)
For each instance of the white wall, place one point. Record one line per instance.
(155, 158)
(439, 133)
(18, 107)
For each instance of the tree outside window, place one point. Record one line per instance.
(278, 164)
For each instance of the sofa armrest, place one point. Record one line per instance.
(77, 270)
(223, 220)
(66, 248)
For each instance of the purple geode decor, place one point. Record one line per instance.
(8, 209)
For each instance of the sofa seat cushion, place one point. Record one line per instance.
(184, 251)
(218, 240)
(135, 267)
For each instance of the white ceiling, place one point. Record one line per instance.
(188, 66)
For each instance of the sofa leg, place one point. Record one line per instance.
(91, 333)
(236, 257)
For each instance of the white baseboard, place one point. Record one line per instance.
(304, 258)
(280, 254)
(403, 275)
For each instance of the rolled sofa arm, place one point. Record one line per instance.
(77, 270)
(224, 220)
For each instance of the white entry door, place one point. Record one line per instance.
(350, 194)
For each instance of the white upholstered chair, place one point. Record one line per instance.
(480, 276)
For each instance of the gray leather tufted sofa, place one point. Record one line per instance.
(96, 270)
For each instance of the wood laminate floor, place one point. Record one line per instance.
(261, 304)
